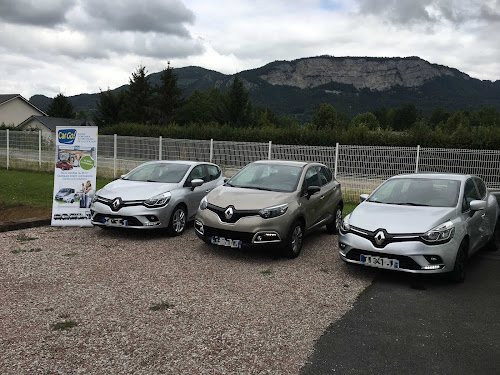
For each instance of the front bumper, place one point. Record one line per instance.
(249, 230)
(411, 256)
(136, 217)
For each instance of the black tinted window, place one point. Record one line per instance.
(325, 176)
(312, 178)
(213, 172)
(481, 187)
(470, 194)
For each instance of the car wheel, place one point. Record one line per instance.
(293, 243)
(494, 243)
(458, 273)
(334, 225)
(177, 221)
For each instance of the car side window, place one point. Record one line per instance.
(311, 178)
(470, 194)
(213, 172)
(325, 176)
(198, 172)
(481, 187)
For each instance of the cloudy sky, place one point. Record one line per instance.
(76, 46)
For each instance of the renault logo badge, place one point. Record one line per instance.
(379, 238)
(229, 213)
(116, 204)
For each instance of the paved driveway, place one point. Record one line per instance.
(403, 324)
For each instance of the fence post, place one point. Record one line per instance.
(39, 149)
(336, 160)
(269, 152)
(159, 150)
(211, 149)
(114, 155)
(7, 148)
(417, 159)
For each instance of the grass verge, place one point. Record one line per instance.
(28, 188)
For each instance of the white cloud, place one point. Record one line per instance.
(77, 46)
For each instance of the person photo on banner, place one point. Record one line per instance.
(87, 195)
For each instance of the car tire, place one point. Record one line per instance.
(177, 221)
(494, 243)
(293, 242)
(333, 227)
(458, 273)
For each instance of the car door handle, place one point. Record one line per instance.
(322, 197)
(483, 216)
(208, 190)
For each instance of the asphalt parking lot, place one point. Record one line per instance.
(404, 324)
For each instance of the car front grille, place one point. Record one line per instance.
(228, 234)
(132, 221)
(404, 261)
(237, 214)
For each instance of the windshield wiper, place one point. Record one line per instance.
(152, 181)
(256, 188)
(412, 204)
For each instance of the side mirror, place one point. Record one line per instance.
(363, 197)
(477, 205)
(311, 190)
(196, 182)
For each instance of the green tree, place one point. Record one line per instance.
(168, 100)
(61, 107)
(367, 119)
(138, 105)
(438, 115)
(203, 107)
(327, 117)
(405, 117)
(109, 109)
(238, 104)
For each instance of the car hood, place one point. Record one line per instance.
(399, 219)
(247, 199)
(134, 190)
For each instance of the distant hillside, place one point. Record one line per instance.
(351, 84)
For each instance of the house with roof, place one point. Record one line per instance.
(47, 124)
(14, 109)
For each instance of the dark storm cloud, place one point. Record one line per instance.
(33, 12)
(163, 16)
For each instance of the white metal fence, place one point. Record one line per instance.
(359, 168)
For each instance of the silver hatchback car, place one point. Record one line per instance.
(271, 202)
(157, 194)
(422, 223)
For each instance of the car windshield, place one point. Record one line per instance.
(267, 177)
(158, 172)
(418, 192)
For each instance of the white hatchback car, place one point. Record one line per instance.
(422, 223)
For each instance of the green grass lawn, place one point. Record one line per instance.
(28, 188)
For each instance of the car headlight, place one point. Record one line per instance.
(346, 224)
(158, 200)
(94, 198)
(442, 233)
(204, 203)
(273, 211)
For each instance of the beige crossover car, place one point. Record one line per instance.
(271, 203)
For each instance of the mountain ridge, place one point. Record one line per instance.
(351, 84)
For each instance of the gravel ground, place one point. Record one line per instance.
(224, 311)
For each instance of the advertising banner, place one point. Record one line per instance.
(75, 175)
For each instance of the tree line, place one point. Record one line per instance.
(144, 109)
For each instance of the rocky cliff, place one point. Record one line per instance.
(377, 74)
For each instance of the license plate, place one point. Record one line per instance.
(114, 222)
(375, 261)
(221, 241)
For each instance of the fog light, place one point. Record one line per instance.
(342, 245)
(433, 259)
(433, 267)
(151, 218)
(199, 227)
(262, 237)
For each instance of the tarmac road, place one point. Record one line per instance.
(406, 324)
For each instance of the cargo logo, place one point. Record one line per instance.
(66, 136)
